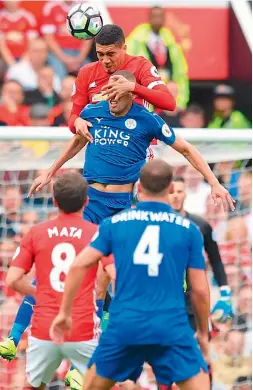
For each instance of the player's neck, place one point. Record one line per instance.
(77, 214)
(158, 199)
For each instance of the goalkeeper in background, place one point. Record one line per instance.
(222, 311)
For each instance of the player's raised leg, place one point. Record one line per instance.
(8, 347)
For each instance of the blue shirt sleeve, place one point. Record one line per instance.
(102, 239)
(163, 132)
(196, 259)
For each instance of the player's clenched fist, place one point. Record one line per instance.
(60, 326)
(82, 128)
(40, 182)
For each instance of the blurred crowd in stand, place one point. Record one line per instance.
(39, 61)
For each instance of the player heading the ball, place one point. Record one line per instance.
(152, 246)
(51, 247)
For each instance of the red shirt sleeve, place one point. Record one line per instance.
(24, 256)
(152, 88)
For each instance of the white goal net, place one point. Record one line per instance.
(27, 151)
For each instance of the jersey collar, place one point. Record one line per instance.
(154, 206)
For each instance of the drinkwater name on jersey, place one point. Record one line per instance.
(107, 136)
(150, 216)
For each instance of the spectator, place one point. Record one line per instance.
(155, 41)
(38, 117)
(26, 72)
(234, 277)
(45, 93)
(17, 26)
(197, 192)
(228, 177)
(12, 110)
(224, 114)
(217, 217)
(10, 213)
(243, 319)
(231, 363)
(244, 204)
(193, 117)
(67, 54)
(30, 217)
(59, 115)
(242, 383)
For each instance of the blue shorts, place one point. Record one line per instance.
(174, 363)
(105, 204)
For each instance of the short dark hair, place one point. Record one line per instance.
(194, 109)
(156, 176)
(110, 34)
(178, 179)
(125, 73)
(70, 192)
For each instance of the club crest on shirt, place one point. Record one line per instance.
(154, 71)
(166, 131)
(130, 124)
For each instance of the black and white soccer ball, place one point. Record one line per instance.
(84, 21)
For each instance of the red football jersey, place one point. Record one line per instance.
(52, 247)
(92, 77)
(16, 28)
(54, 22)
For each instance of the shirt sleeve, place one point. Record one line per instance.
(163, 132)
(196, 259)
(102, 239)
(149, 76)
(212, 250)
(80, 88)
(24, 255)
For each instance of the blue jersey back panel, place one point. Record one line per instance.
(152, 246)
(120, 143)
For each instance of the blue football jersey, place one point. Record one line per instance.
(120, 143)
(152, 247)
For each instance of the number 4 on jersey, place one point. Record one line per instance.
(147, 250)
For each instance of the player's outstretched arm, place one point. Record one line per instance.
(192, 154)
(17, 280)
(76, 144)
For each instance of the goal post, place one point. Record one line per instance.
(37, 147)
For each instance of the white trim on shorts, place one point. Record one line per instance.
(44, 357)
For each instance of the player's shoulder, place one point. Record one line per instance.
(89, 68)
(94, 110)
(139, 60)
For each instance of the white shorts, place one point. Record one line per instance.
(43, 358)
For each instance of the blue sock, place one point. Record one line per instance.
(23, 318)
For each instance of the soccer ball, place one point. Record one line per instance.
(84, 21)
